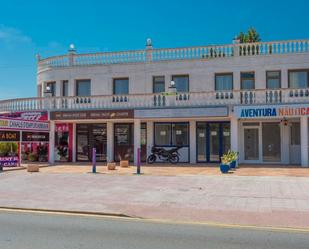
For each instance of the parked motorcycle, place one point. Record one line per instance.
(171, 155)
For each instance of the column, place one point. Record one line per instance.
(110, 141)
(304, 141)
(52, 143)
(58, 88)
(137, 138)
(192, 142)
(74, 143)
(284, 78)
(150, 141)
(234, 134)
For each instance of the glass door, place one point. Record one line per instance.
(214, 142)
(83, 147)
(271, 142)
(201, 142)
(251, 143)
(123, 141)
(99, 141)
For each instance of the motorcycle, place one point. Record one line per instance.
(171, 155)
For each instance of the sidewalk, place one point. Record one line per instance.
(246, 200)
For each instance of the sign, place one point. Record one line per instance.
(9, 136)
(34, 115)
(9, 161)
(63, 127)
(35, 136)
(271, 111)
(109, 114)
(16, 124)
(182, 112)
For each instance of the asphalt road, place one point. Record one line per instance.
(44, 231)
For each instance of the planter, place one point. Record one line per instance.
(233, 164)
(111, 166)
(33, 168)
(124, 163)
(224, 168)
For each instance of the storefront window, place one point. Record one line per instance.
(295, 133)
(171, 134)
(271, 142)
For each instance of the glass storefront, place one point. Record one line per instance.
(213, 140)
(123, 142)
(91, 136)
(271, 142)
(251, 143)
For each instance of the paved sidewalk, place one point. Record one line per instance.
(266, 201)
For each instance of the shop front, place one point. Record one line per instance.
(273, 134)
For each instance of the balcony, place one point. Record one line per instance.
(164, 100)
(175, 54)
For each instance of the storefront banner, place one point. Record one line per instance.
(99, 114)
(34, 115)
(15, 124)
(182, 112)
(271, 111)
(9, 136)
(9, 161)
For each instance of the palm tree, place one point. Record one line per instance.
(251, 36)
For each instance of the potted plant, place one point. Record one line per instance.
(63, 153)
(225, 163)
(233, 158)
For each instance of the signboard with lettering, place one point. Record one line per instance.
(16, 124)
(35, 136)
(33, 115)
(271, 111)
(9, 136)
(99, 114)
(8, 161)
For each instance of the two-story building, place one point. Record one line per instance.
(252, 98)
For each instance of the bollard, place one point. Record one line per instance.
(94, 155)
(138, 168)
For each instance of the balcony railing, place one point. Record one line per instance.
(135, 101)
(170, 54)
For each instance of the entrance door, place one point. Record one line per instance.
(124, 142)
(295, 150)
(251, 144)
(143, 142)
(213, 139)
(91, 136)
(271, 142)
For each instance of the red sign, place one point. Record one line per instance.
(34, 116)
(62, 127)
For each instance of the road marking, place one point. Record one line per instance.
(158, 221)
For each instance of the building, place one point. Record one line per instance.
(252, 98)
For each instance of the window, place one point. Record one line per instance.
(52, 87)
(158, 84)
(224, 82)
(121, 86)
(171, 134)
(181, 83)
(273, 79)
(247, 80)
(295, 133)
(298, 79)
(65, 88)
(83, 88)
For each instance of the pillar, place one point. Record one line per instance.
(137, 138)
(58, 91)
(74, 143)
(192, 141)
(234, 134)
(150, 137)
(110, 142)
(304, 141)
(52, 143)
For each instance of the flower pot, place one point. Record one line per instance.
(224, 168)
(111, 166)
(124, 163)
(233, 164)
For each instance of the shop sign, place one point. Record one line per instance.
(9, 136)
(295, 110)
(34, 115)
(62, 127)
(9, 161)
(100, 114)
(16, 124)
(35, 136)
(182, 112)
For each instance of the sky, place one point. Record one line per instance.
(49, 27)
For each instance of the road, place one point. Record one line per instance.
(44, 231)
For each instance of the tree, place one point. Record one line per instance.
(251, 36)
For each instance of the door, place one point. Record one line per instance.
(82, 143)
(123, 142)
(213, 140)
(295, 150)
(143, 142)
(271, 140)
(99, 141)
(251, 144)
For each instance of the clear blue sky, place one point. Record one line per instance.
(48, 27)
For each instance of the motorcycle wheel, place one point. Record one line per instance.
(173, 159)
(151, 159)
